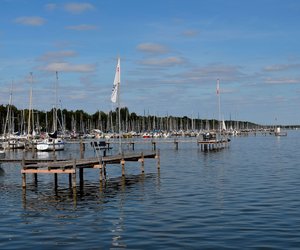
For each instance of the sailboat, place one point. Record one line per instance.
(11, 139)
(52, 142)
(115, 97)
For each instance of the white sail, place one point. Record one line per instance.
(223, 125)
(117, 81)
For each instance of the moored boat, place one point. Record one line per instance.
(51, 144)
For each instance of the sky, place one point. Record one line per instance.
(172, 52)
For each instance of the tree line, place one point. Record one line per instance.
(80, 121)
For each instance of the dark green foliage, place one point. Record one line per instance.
(81, 121)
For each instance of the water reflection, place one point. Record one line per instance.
(36, 198)
(2, 172)
(118, 224)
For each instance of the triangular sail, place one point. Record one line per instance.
(115, 97)
(117, 81)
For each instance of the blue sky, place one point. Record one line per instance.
(172, 53)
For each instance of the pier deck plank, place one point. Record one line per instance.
(87, 163)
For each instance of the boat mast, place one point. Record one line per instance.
(30, 106)
(7, 125)
(219, 105)
(55, 106)
(120, 137)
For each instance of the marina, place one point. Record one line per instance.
(149, 125)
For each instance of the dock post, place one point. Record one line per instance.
(142, 162)
(74, 175)
(35, 178)
(32, 150)
(81, 149)
(23, 174)
(176, 144)
(70, 180)
(132, 143)
(24, 180)
(55, 180)
(81, 177)
(53, 151)
(153, 145)
(101, 173)
(123, 166)
(158, 159)
(104, 170)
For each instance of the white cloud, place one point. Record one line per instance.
(81, 27)
(30, 21)
(190, 33)
(281, 67)
(67, 67)
(50, 6)
(164, 62)
(54, 55)
(77, 8)
(282, 81)
(152, 48)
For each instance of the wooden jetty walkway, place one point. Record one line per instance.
(205, 145)
(213, 145)
(71, 166)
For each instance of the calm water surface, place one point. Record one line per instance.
(243, 197)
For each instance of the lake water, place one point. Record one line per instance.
(243, 197)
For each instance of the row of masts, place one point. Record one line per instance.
(32, 125)
(108, 122)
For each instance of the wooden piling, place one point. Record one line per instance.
(132, 145)
(32, 149)
(82, 149)
(81, 181)
(123, 167)
(104, 170)
(176, 144)
(53, 151)
(74, 175)
(100, 174)
(142, 160)
(153, 145)
(158, 158)
(55, 180)
(70, 180)
(35, 178)
(23, 174)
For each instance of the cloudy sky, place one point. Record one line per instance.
(172, 53)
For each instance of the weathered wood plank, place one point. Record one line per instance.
(48, 171)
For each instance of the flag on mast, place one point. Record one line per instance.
(218, 87)
(115, 90)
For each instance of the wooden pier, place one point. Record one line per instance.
(213, 145)
(71, 167)
(205, 145)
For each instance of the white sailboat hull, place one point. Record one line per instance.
(51, 145)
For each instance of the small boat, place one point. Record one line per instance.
(2, 152)
(13, 144)
(147, 135)
(278, 132)
(51, 144)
